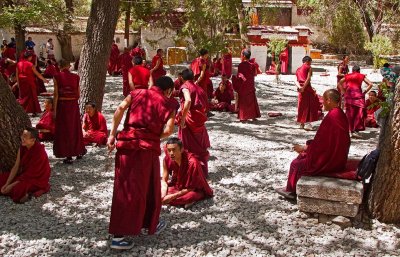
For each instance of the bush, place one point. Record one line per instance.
(380, 45)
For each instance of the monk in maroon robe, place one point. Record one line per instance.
(46, 125)
(10, 52)
(223, 96)
(284, 59)
(26, 73)
(326, 155)
(308, 101)
(68, 139)
(188, 184)
(355, 99)
(136, 202)
(138, 51)
(373, 104)
(139, 76)
(227, 63)
(157, 65)
(94, 126)
(201, 70)
(113, 60)
(177, 85)
(51, 69)
(125, 63)
(192, 118)
(244, 85)
(31, 172)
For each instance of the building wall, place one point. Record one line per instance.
(155, 38)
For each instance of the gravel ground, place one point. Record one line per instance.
(245, 218)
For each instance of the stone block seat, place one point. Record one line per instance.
(331, 195)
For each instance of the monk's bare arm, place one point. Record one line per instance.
(369, 83)
(39, 75)
(340, 86)
(165, 174)
(186, 106)
(169, 127)
(119, 113)
(13, 173)
(340, 71)
(202, 74)
(308, 80)
(130, 79)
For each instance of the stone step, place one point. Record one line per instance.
(327, 207)
(332, 189)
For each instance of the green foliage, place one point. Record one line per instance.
(277, 46)
(380, 45)
(385, 105)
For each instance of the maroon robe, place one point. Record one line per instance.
(284, 59)
(177, 87)
(326, 155)
(137, 51)
(227, 65)
(140, 76)
(27, 87)
(197, 67)
(125, 63)
(113, 60)
(50, 71)
(136, 202)
(10, 53)
(68, 139)
(34, 173)
(308, 102)
(224, 99)
(189, 175)
(160, 70)
(96, 129)
(244, 85)
(46, 122)
(194, 136)
(370, 120)
(355, 101)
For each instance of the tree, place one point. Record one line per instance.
(384, 197)
(13, 120)
(96, 50)
(380, 45)
(64, 34)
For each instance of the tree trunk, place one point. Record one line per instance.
(19, 38)
(66, 45)
(127, 23)
(366, 19)
(384, 198)
(96, 50)
(13, 120)
(242, 24)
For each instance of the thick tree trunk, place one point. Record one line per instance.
(384, 198)
(13, 120)
(96, 50)
(66, 45)
(19, 38)
(127, 23)
(242, 24)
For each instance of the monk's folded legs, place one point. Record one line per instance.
(296, 171)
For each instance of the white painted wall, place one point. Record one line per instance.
(298, 52)
(260, 53)
(164, 38)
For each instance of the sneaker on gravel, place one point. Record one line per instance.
(121, 243)
(162, 224)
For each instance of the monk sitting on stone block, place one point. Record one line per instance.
(31, 172)
(326, 155)
(187, 184)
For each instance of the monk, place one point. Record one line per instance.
(125, 64)
(373, 104)
(244, 85)
(138, 51)
(223, 96)
(136, 201)
(192, 118)
(355, 100)
(177, 85)
(188, 184)
(215, 67)
(157, 65)
(31, 172)
(46, 125)
(284, 61)
(94, 126)
(68, 139)
(256, 66)
(200, 67)
(113, 60)
(227, 63)
(139, 76)
(51, 69)
(308, 101)
(326, 155)
(26, 73)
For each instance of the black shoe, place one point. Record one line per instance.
(68, 160)
(81, 155)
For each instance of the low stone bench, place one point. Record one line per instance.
(330, 196)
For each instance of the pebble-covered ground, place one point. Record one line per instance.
(245, 218)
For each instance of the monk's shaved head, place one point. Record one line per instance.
(333, 95)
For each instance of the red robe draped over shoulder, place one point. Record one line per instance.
(68, 139)
(50, 71)
(27, 87)
(227, 65)
(136, 202)
(125, 63)
(113, 60)
(34, 173)
(244, 85)
(160, 70)
(189, 175)
(308, 102)
(326, 155)
(197, 67)
(96, 129)
(194, 136)
(46, 122)
(370, 121)
(140, 76)
(355, 101)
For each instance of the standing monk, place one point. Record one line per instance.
(94, 126)
(136, 202)
(125, 63)
(192, 118)
(326, 155)
(157, 65)
(244, 85)
(227, 63)
(31, 172)
(308, 102)
(355, 99)
(68, 139)
(138, 76)
(113, 60)
(26, 73)
(200, 67)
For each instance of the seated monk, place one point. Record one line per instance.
(326, 155)
(94, 126)
(223, 96)
(46, 125)
(272, 69)
(373, 104)
(31, 172)
(187, 184)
